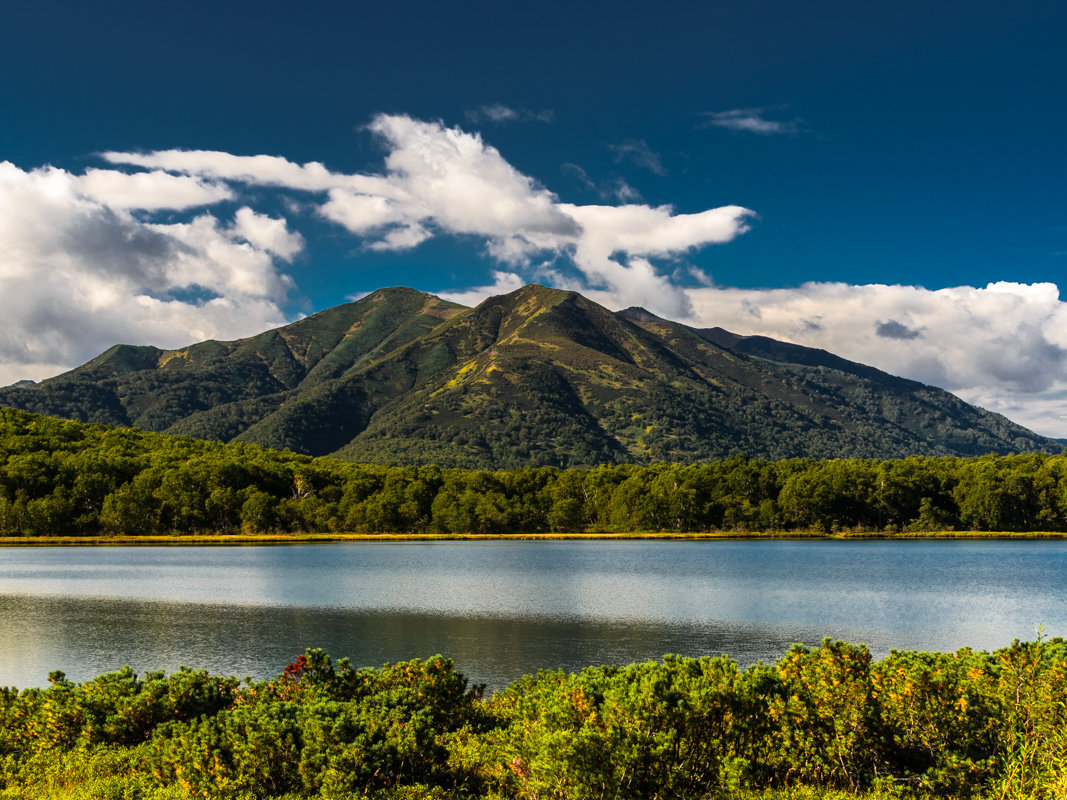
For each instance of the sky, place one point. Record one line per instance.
(883, 180)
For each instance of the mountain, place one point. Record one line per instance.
(538, 376)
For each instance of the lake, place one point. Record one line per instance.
(501, 609)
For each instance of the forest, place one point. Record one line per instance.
(63, 478)
(822, 722)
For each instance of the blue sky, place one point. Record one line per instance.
(881, 179)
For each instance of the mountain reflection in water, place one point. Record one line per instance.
(86, 637)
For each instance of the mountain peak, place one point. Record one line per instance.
(639, 314)
(393, 293)
(533, 294)
(533, 377)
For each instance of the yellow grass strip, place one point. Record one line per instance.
(238, 539)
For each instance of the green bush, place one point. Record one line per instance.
(823, 722)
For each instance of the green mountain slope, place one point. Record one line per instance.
(218, 390)
(858, 408)
(536, 377)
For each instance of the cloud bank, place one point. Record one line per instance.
(1002, 347)
(80, 272)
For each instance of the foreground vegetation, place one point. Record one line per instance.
(60, 478)
(821, 722)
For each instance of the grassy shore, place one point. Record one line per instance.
(239, 539)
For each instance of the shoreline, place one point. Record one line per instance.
(243, 539)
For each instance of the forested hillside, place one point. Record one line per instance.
(538, 377)
(66, 478)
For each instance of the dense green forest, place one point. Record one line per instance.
(66, 478)
(821, 722)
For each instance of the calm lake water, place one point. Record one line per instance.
(503, 609)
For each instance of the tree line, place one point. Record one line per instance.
(65, 478)
(823, 722)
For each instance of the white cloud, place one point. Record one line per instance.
(751, 120)
(654, 231)
(614, 188)
(642, 232)
(623, 192)
(452, 181)
(403, 237)
(463, 185)
(638, 152)
(79, 272)
(150, 191)
(498, 112)
(503, 283)
(206, 256)
(260, 170)
(494, 112)
(445, 181)
(267, 233)
(360, 213)
(1003, 347)
(266, 170)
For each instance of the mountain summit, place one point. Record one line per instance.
(535, 377)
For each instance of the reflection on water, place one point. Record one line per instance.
(87, 637)
(502, 609)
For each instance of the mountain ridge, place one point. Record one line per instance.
(538, 376)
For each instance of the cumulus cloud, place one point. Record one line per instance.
(1003, 347)
(445, 181)
(267, 233)
(453, 180)
(751, 120)
(80, 272)
(151, 191)
(642, 232)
